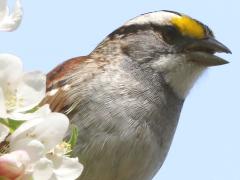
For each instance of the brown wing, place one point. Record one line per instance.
(59, 73)
(57, 84)
(64, 83)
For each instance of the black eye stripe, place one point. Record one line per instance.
(131, 29)
(167, 29)
(126, 30)
(169, 33)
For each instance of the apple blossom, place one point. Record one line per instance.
(36, 150)
(10, 22)
(48, 155)
(54, 125)
(33, 148)
(13, 165)
(45, 155)
(19, 91)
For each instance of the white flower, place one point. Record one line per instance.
(43, 111)
(35, 149)
(41, 138)
(49, 129)
(19, 91)
(12, 165)
(56, 167)
(64, 168)
(10, 22)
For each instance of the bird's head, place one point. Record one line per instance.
(173, 44)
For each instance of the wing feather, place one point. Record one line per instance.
(57, 85)
(65, 82)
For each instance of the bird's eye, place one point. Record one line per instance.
(170, 34)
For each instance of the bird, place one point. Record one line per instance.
(126, 96)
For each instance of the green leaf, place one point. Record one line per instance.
(3, 178)
(14, 124)
(4, 121)
(11, 124)
(74, 136)
(32, 110)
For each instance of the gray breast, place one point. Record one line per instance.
(126, 122)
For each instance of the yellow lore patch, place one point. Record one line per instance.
(189, 27)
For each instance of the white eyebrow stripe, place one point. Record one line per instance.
(161, 18)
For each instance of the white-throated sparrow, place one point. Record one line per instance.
(126, 96)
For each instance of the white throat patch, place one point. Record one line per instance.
(178, 72)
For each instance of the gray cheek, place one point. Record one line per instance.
(145, 46)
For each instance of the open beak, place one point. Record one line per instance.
(202, 51)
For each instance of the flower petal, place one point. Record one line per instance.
(49, 130)
(12, 165)
(31, 90)
(11, 70)
(34, 148)
(65, 167)
(3, 9)
(4, 131)
(43, 111)
(43, 169)
(11, 22)
(19, 92)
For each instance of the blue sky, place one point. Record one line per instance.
(206, 144)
